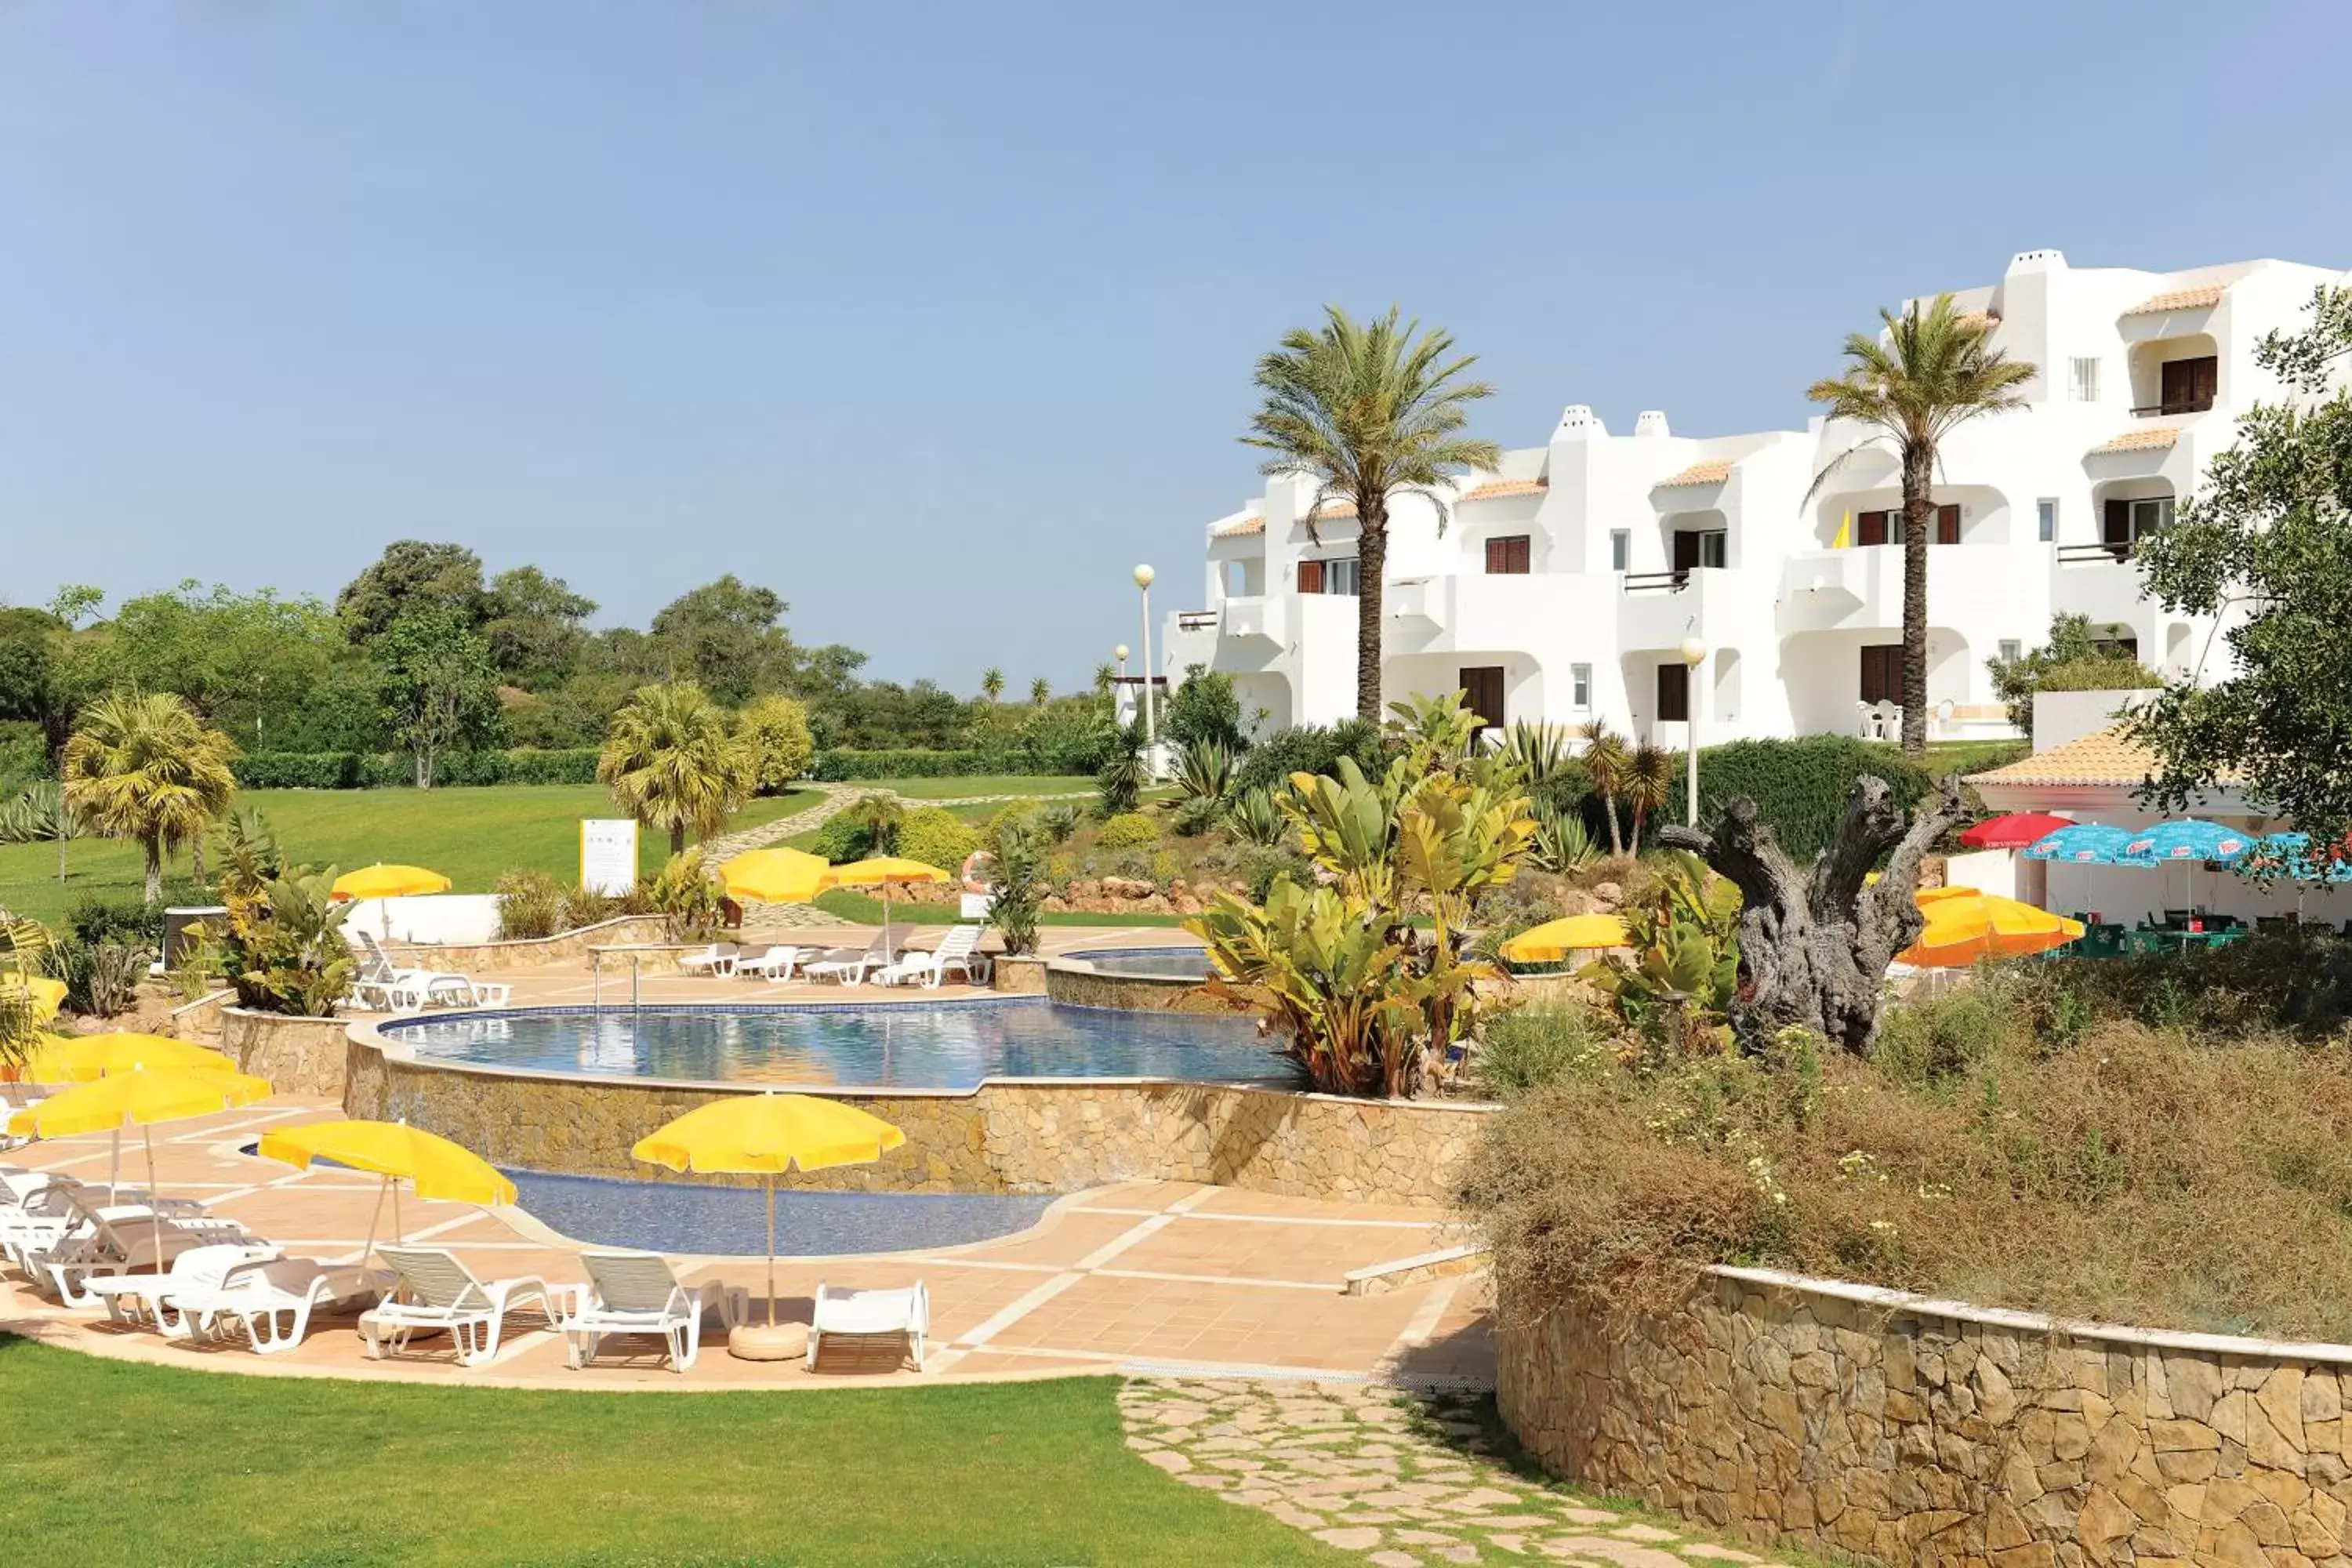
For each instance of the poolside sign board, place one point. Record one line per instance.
(608, 854)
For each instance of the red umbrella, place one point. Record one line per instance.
(2015, 831)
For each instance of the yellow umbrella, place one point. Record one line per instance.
(762, 1134)
(884, 871)
(47, 995)
(138, 1097)
(1964, 925)
(778, 876)
(1555, 940)
(77, 1059)
(431, 1164)
(389, 882)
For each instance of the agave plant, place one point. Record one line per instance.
(1204, 771)
(39, 815)
(1541, 751)
(1255, 818)
(1562, 843)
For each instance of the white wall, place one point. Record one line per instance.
(430, 917)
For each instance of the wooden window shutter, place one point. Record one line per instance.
(1673, 693)
(1686, 550)
(1947, 525)
(1495, 556)
(2116, 522)
(1872, 529)
(1310, 576)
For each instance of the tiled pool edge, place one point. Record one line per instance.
(1007, 1135)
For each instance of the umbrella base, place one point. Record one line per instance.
(766, 1341)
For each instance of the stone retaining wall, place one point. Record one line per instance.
(1025, 1136)
(1903, 1430)
(298, 1056)
(1087, 987)
(200, 1020)
(531, 952)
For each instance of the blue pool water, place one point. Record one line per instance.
(1157, 962)
(945, 1044)
(664, 1216)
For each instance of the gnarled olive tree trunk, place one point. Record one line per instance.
(1815, 944)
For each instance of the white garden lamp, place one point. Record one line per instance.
(1694, 654)
(1143, 576)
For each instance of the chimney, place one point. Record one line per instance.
(1578, 423)
(1651, 422)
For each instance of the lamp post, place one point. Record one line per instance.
(1119, 652)
(1694, 654)
(1143, 576)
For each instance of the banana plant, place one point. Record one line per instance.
(1683, 971)
(1348, 825)
(1322, 968)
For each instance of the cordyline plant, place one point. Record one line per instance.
(1365, 1003)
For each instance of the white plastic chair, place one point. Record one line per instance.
(639, 1293)
(886, 1313)
(438, 1292)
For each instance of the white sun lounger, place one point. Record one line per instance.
(257, 1294)
(438, 1292)
(775, 963)
(954, 952)
(718, 958)
(639, 1293)
(898, 1312)
(135, 1300)
(852, 965)
(117, 1239)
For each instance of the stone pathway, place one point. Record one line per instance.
(1408, 1482)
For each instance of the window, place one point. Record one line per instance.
(2188, 384)
(1699, 547)
(1673, 694)
(2010, 650)
(1482, 693)
(1507, 556)
(1886, 527)
(1882, 673)
(2045, 521)
(1580, 687)
(2085, 381)
(1333, 576)
(1620, 550)
(2124, 523)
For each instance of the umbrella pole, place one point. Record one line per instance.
(114, 1165)
(771, 1249)
(374, 1215)
(399, 1231)
(154, 1215)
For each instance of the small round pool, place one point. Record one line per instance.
(912, 1045)
(1151, 962)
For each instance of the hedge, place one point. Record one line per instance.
(836, 764)
(394, 770)
(1800, 787)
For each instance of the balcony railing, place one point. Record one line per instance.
(1198, 620)
(2157, 410)
(2083, 554)
(1657, 581)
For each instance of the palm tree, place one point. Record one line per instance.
(1041, 691)
(878, 816)
(142, 766)
(1104, 676)
(1931, 374)
(675, 760)
(1605, 763)
(1649, 780)
(1369, 410)
(991, 683)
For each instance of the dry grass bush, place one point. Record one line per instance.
(2012, 1145)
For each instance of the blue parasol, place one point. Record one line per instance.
(2191, 839)
(2085, 844)
(2289, 854)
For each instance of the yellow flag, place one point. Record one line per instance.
(1845, 539)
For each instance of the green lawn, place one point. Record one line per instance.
(468, 835)
(114, 1463)
(979, 784)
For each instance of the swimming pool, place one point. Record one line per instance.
(1152, 962)
(942, 1045)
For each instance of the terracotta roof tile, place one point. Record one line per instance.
(1500, 488)
(1709, 473)
(2138, 441)
(2180, 299)
(1336, 509)
(1985, 319)
(1237, 527)
(2103, 758)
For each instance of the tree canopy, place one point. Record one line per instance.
(2266, 548)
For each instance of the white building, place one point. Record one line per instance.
(1565, 583)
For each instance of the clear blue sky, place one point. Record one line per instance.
(937, 319)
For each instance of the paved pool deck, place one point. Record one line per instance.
(1147, 1277)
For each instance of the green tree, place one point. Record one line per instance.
(1649, 780)
(1041, 691)
(778, 730)
(2267, 540)
(1104, 676)
(1608, 764)
(1931, 374)
(1369, 411)
(729, 637)
(411, 576)
(72, 601)
(877, 818)
(534, 627)
(2072, 660)
(244, 661)
(438, 685)
(1205, 707)
(675, 761)
(142, 766)
(991, 683)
